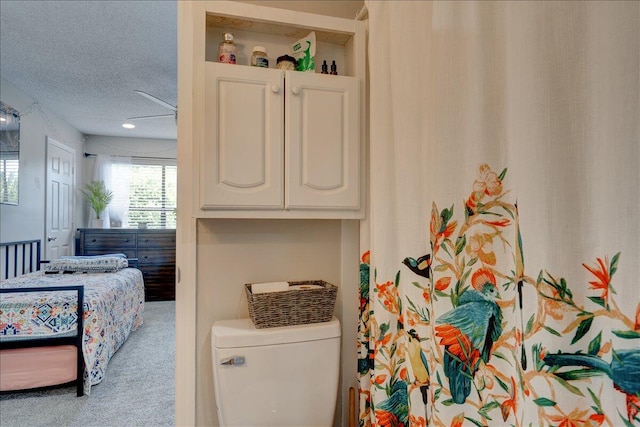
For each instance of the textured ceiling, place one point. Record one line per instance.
(83, 60)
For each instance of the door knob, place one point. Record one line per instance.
(50, 239)
(275, 88)
(295, 90)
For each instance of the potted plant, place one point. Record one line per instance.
(99, 198)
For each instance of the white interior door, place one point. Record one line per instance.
(59, 200)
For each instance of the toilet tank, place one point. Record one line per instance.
(286, 376)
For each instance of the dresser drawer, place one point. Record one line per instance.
(110, 242)
(153, 274)
(157, 257)
(157, 240)
(160, 292)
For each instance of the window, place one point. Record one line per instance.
(9, 178)
(152, 191)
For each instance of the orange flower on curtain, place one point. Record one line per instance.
(463, 336)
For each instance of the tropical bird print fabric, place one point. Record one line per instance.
(464, 334)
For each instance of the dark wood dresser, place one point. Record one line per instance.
(155, 250)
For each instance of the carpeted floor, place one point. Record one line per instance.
(138, 389)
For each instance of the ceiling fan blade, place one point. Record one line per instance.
(156, 100)
(157, 116)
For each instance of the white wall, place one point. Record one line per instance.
(27, 220)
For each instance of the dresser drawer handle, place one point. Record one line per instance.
(93, 240)
(126, 240)
(146, 240)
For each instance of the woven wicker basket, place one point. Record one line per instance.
(295, 307)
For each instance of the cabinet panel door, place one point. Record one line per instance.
(242, 158)
(322, 150)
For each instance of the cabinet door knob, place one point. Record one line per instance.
(295, 90)
(275, 88)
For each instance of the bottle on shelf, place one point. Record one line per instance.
(227, 51)
(334, 68)
(324, 67)
(259, 57)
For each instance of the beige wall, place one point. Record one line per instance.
(231, 253)
(338, 8)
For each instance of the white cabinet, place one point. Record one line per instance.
(242, 160)
(279, 140)
(322, 141)
(268, 143)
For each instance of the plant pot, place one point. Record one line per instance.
(97, 223)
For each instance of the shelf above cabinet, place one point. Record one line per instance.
(244, 24)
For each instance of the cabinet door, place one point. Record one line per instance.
(322, 150)
(242, 158)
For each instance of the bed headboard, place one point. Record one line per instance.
(18, 258)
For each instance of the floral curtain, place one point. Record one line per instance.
(499, 276)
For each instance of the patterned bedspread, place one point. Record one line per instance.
(113, 307)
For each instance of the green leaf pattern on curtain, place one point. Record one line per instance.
(462, 335)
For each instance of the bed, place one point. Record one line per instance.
(46, 339)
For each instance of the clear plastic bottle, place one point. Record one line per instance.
(259, 57)
(228, 51)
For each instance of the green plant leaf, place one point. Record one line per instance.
(569, 387)
(488, 407)
(551, 331)
(461, 242)
(627, 423)
(543, 401)
(594, 345)
(614, 264)
(627, 334)
(476, 422)
(583, 328)
(502, 384)
(98, 196)
(529, 324)
(448, 402)
(577, 374)
(595, 400)
(598, 300)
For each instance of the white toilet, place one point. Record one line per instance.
(285, 376)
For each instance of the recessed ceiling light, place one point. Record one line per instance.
(2, 119)
(128, 126)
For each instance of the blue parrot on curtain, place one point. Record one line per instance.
(469, 331)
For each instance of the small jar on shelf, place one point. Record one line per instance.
(259, 57)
